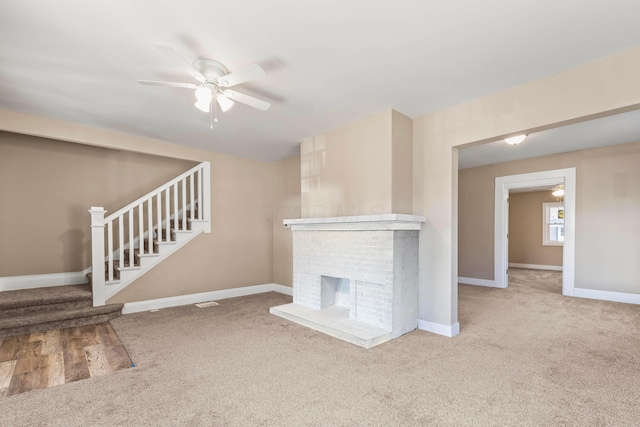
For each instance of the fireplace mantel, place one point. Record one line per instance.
(360, 222)
(355, 277)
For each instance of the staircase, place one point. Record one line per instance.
(125, 245)
(134, 239)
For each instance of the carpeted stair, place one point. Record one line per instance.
(44, 309)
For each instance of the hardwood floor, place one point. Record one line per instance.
(47, 359)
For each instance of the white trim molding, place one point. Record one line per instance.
(535, 266)
(14, 283)
(607, 295)
(439, 328)
(477, 282)
(287, 290)
(159, 303)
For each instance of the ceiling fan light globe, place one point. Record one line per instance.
(203, 94)
(224, 102)
(203, 106)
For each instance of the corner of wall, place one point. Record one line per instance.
(401, 163)
(287, 204)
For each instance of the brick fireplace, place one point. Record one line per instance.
(355, 278)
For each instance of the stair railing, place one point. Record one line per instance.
(144, 220)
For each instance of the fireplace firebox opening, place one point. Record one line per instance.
(334, 291)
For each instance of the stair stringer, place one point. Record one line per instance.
(128, 275)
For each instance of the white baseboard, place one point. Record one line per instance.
(478, 282)
(287, 290)
(156, 304)
(536, 266)
(14, 283)
(607, 295)
(438, 328)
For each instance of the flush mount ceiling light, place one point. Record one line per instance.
(515, 140)
(214, 80)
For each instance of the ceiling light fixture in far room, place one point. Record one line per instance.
(515, 140)
(558, 192)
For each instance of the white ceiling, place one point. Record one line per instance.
(328, 62)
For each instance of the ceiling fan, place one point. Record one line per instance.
(214, 79)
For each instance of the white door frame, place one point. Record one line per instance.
(552, 177)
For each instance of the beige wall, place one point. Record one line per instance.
(46, 188)
(347, 171)
(525, 230)
(360, 169)
(603, 87)
(287, 206)
(402, 163)
(238, 252)
(607, 219)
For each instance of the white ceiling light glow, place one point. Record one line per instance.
(203, 96)
(515, 140)
(224, 102)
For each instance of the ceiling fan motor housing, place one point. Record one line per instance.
(210, 69)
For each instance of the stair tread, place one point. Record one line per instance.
(9, 313)
(60, 315)
(44, 296)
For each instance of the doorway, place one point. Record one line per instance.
(503, 185)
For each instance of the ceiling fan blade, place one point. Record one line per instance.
(170, 84)
(244, 75)
(246, 99)
(171, 53)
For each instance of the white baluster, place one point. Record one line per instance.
(141, 228)
(167, 212)
(191, 200)
(159, 209)
(150, 224)
(97, 255)
(110, 249)
(200, 194)
(175, 206)
(131, 245)
(184, 204)
(121, 241)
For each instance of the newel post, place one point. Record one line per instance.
(97, 255)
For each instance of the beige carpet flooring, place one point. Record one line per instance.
(526, 356)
